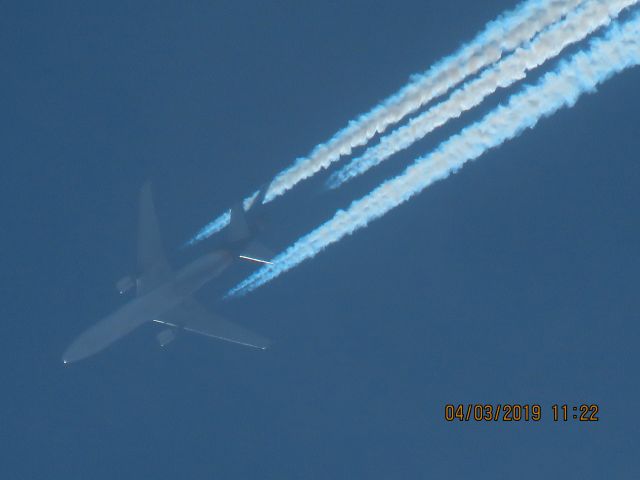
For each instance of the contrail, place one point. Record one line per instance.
(502, 35)
(576, 26)
(220, 222)
(582, 73)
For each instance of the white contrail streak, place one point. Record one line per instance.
(502, 35)
(576, 26)
(220, 222)
(211, 228)
(582, 73)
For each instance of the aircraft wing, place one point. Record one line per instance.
(256, 251)
(192, 316)
(238, 229)
(153, 266)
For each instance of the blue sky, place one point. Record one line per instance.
(513, 281)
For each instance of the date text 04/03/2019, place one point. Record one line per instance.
(520, 412)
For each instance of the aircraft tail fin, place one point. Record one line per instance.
(153, 266)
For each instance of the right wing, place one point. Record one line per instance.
(257, 252)
(153, 266)
(238, 229)
(193, 317)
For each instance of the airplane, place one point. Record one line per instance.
(165, 297)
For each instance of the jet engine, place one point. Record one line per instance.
(125, 284)
(165, 337)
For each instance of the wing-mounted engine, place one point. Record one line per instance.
(125, 284)
(165, 337)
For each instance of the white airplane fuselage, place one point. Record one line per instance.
(148, 306)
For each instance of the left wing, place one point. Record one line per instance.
(192, 316)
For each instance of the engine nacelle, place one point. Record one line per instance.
(165, 337)
(125, 284)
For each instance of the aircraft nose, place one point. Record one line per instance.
(68, 356)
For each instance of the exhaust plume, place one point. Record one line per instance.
(582, 73)
(576, 26)
(502, 35)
